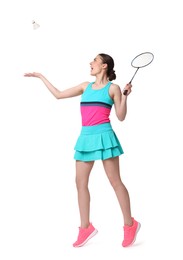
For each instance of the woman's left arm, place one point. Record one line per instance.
(120, 100)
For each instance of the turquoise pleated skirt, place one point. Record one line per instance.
(98, 142)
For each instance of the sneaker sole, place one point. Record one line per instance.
(89, 237)
(138, 228)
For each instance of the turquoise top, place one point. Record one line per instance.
(96, 105)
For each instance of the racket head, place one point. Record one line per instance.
(142, 60)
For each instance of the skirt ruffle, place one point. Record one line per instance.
(97, 143)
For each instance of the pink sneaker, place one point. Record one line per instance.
(130, 233)
(84, 235)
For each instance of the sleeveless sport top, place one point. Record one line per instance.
(96, 105)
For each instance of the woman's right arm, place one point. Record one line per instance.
(70, 92)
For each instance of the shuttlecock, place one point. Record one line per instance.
(35, 25)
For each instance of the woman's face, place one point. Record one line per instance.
(97, 65)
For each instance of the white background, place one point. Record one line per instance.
(39, 216)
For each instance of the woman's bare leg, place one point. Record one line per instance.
(83, 170)
(112, 170)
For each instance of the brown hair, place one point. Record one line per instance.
(110, 65)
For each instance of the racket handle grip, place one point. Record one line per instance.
(125, 92)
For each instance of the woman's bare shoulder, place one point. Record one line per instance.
(114, 90)
(84, 84)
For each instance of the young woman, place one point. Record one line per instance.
(98, 141)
